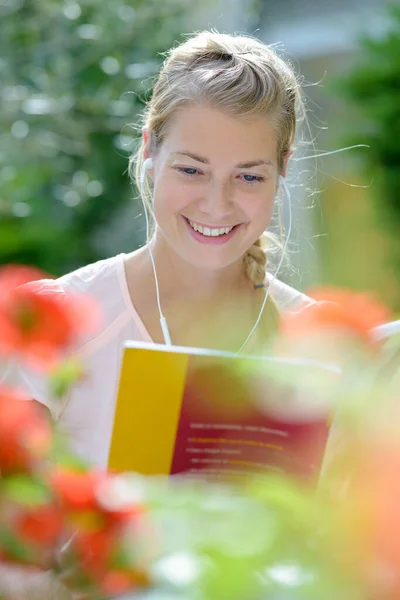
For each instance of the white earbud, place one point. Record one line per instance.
(147, 164)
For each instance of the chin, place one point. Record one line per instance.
(207, 257)
(209, 263)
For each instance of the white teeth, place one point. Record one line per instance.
(210, 232)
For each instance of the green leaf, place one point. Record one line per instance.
(67, 373)
(66, 118)
(13, 547)
(25, 490)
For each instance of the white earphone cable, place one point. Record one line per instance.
(163, 321)
(287, 193)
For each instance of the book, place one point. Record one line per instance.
(214, 414)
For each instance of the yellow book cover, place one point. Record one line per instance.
(182, 410)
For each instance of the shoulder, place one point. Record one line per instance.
(287, 298)
(100, 281)
(94, 279)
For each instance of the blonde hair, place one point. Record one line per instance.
(242, 77)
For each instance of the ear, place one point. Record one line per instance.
(286, 157)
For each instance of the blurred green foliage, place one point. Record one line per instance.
(74, 75)
(270, 539)
(373, 87)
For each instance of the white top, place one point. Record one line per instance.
(86, 413)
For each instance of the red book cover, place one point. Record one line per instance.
(200, 413)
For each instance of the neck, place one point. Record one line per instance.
(203, 309)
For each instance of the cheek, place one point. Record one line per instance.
(169, 197)
(259, 208)
(173, 194)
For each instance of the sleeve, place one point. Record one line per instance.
(388, 330)
(36, 386)
(331, 474)
(34, 383)
(287, 298)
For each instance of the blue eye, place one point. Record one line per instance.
(188, 170)
(252, 178)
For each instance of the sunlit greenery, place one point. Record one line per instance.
(373, 89)
(73, 78)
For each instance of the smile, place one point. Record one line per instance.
(209, 231)
(209, 235)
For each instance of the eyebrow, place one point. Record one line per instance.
(244, 165)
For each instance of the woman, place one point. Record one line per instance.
(217, 137)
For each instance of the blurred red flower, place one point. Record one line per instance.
(355, 314)
(94, 550)
(100, 556)
(33, 532)
(382, 485)
(99, 528)
(372, 500)
(25, 433)
(41, 525)
(118, 582)
(40, 529)
(76, 490)
(38, 320)
(83, 491)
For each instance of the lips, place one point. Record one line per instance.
(209, 230)
(206, 234)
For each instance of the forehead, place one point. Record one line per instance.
(212, 132)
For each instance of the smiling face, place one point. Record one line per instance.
(215, 179)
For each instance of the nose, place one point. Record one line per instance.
(217, 202)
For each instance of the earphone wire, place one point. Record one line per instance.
(287, 194)
(163, 320)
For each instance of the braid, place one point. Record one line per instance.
(255, 262)
(255, 265)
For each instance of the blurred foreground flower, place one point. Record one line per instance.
(352, 314)
(31, 523)
(268, 538)
(25, 435)
(104, 530)
(338, 327)
(373, 491)
(38, 321)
